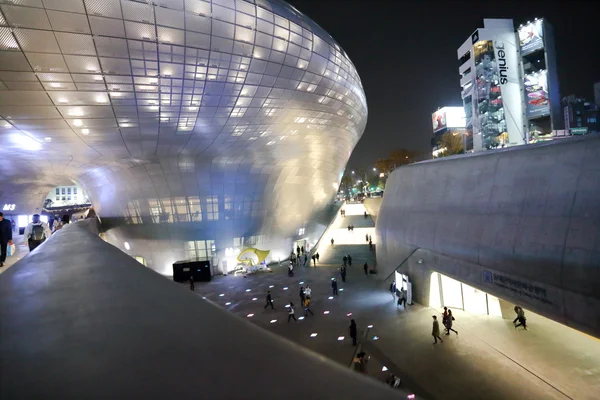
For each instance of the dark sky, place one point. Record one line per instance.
(405, 54)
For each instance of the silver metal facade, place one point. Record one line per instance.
(227, 122)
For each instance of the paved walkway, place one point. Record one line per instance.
(488, 359)
(21, 251)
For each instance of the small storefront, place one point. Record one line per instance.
(447, 292)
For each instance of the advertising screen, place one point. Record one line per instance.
(448, 117)
(438, 120)
(536, 95)
(531, 37)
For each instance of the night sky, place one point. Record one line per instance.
(405, 54)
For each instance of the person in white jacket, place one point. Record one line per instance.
(36, 232)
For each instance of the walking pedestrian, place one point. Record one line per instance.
(370, 245)
(435, 332)
(445, 317)
(305, 258)
(291, 269)
(345, 259)
(352, 330)
(302, 249)
(5, 238)
(343, 273)
(332, 241)
(366, 268)
(367, 238)
(393, 290)
(269, 301)
(349, 260)
(366, 215)
(334, 286)
(302, 296)
(36, 232)
(520, 317)
(314, 258)
(402, 297)
(291, 312)
(318, 254)
(307, 307)
(191, 281)
(307, 292)
(449, 323)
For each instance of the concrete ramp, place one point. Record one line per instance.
(83, 320)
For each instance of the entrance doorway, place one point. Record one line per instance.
(447, 292)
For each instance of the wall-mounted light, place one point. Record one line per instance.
(127, 246)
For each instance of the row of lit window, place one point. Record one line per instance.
(65, 191)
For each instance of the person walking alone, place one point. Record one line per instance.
(435, 331)
(334, 286)
(302, 295)
(352, 330)
(345, 260)
(366, 268)
(343, 273)
(291, 269)
(291, 312)
(449, 323)
(349, 260)
(36, 232)
(520, 317)
(5, 238)
(192, 287)
(332, 241)
(269, 301)
(318, 254)
(367, 238)
(307, 292)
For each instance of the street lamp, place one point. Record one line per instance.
(352, 172)
(374, 169)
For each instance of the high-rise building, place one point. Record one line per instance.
(581, 116)
(541, 95)
(509, 84)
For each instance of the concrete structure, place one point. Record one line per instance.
(124, 331)
(520, 223)
(197, 128)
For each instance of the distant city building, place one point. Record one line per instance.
(509, 84)
(449, 120)
(581, 116)
(63, 196)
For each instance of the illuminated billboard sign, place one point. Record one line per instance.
(531, 37)
(448, 117)
(536, 95)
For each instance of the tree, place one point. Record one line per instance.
(346, 182)
(453, 144)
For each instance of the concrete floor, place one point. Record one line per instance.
(488, 359)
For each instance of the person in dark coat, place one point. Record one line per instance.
(343, 273)
(5, 238)
(366, 268)
(352, 330)
(269, 301)
(192, 287)
(345, 260)
(334, 286)
(317, 255)
(302, 295)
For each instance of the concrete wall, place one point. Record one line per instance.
(520, 223)
(373, 205)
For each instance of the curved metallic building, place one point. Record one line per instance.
(197, 127)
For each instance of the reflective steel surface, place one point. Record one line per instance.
(226, 122)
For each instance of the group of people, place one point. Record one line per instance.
(350, 227)
(343, 212)
(305, 298)
(36, 233)
(401, 293)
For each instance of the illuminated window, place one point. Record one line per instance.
(155, 210)
(228, 207)
(133, 212)
(68, 190)
(200, 249)
(212, 208)
(63, 191)
(74, 190)
(167, 214)
(57, 191)
(63, 198)
(195, 209)
(57, 197)
(181, 209)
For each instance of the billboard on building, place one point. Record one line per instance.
(448, 117)
(536, 95)
(438, 120)
(531, 37)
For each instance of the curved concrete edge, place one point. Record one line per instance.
(81, 319)
(521, 221)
